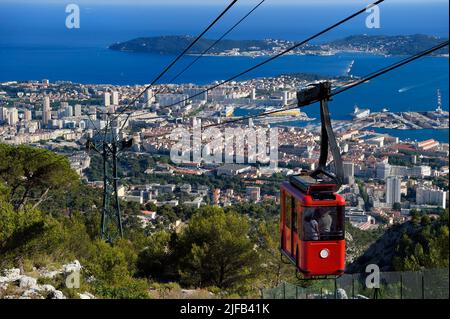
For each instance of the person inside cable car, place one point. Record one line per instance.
(325, 221)
(310, 228)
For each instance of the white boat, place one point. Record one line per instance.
(360, 113)
(228, 111)
(349, 69)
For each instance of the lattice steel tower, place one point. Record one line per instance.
(109, 146)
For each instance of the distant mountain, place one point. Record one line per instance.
(176, 44)
(379, 44)
(390, 45)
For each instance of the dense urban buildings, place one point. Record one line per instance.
(383, 174)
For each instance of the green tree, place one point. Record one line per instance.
(217, 249)
(27, 234)
(31, 173)
(168, 212)
(107, 263)
(109, 266)
(425, 220)
(151, 207)
(154, 261)
(423, 245)
(415, 216)
(273, 269)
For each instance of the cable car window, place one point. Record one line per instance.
(288, 209)
(323, 223)
(294, 215)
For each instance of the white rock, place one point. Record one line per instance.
(3, 279)
(90, 279)
(71, 267)
(27, 282)
(58, 295)
(31, 294)
(48, 288)
(12, 274)
(86, 295)
(51, 274)
(341, 294)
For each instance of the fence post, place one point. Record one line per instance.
(423, 285)
(353, 286)
(321, 293)
(296, 292)
(262, 293)
(284, 290)
(401, 286)
(335, 288)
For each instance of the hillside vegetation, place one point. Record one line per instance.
(48, 217)
(422, 243)
(176, 44)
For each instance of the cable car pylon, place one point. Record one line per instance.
(111, 146)
(111, 225)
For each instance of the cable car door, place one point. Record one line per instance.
(294, 226)
(287, 244)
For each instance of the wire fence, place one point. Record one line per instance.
(427, 284)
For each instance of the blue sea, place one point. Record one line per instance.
(35, 44)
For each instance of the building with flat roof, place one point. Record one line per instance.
(232, 169)
(430, 196)
(393, 190)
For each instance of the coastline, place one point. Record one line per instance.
(334, 53)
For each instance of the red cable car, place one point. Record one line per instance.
(312, 213)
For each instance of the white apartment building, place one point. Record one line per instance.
(393, 190)
(430, 196)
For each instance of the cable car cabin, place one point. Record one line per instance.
(312, 226)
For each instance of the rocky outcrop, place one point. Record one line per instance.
(341, 294)
(71, 267)
(14, 285)
(86, 295)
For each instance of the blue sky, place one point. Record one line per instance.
(214, 2)
(33, 21)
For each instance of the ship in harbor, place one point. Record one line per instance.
(360, 113)
(228, 111)
(283, 116)
(350, 67)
